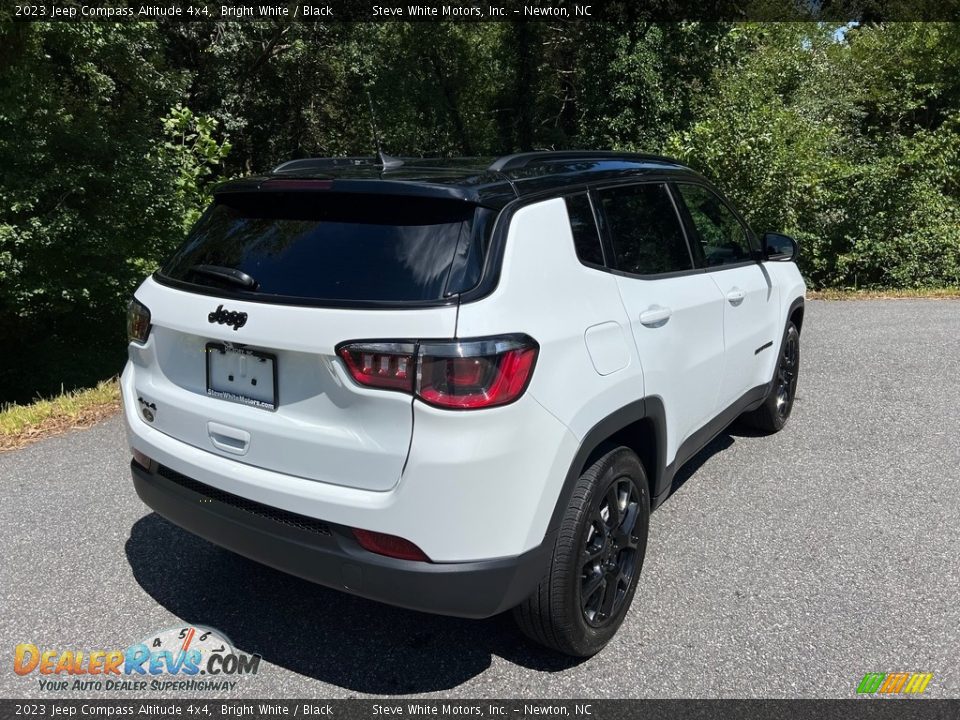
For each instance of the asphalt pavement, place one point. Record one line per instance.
(784, 566)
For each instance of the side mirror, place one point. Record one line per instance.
(781, 248)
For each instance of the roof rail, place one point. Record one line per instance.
(306, 164)
(526, 159)
(388, 162)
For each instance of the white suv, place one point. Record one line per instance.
(456, 386)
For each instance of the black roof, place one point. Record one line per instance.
(492, 182)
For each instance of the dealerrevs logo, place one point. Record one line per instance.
(177, 659)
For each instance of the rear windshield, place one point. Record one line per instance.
(335, 247)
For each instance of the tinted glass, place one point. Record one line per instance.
(332, 247)
(723, 238)
(586, 237)
(646, 232)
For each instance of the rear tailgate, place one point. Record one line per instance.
(325, 427)
(250, 372)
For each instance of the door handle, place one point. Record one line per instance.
(735, 296)
(228, 439)
(655, 316)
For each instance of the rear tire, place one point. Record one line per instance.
(775, 411)
(582, 600)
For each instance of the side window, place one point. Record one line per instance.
(586, 238)
(723, 238)
(646, 232)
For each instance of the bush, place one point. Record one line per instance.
(94, 188)
(847, 146)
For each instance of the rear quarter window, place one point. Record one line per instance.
(583, 226)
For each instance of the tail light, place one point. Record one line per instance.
(463, 375)
(391, 366)
(475, 374)
(138, 322)
(389, 545)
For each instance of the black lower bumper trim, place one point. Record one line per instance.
(328, 554)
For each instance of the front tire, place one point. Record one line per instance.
(777, 406)
(585, 595)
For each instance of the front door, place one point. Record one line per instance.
(750, 300)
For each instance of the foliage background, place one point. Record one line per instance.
(111, 137)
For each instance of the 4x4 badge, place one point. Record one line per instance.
(228, 317)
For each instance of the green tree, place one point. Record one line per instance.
(851, 145)
(190, 153)
(88, 195)
(111, 137)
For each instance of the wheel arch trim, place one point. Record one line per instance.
(648, 409)
(797, 304)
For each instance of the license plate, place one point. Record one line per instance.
(242, 375)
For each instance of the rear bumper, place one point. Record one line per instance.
(476, 485)
(327, 553)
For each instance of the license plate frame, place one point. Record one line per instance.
(227, 363)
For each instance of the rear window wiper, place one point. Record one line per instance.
(227, 274)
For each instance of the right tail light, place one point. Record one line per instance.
(454, 374)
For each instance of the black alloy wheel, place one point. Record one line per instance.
(787, 369)
(609, 556)
(586, 591)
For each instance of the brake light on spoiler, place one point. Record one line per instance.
(454, 374)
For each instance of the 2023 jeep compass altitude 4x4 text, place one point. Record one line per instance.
(456, 386)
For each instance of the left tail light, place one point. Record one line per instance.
(138, 322)
(455, 374)
(391, 366)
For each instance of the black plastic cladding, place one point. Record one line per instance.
(302, 522)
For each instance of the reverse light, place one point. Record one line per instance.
(138, 322)
(389, 545)
(454, 374)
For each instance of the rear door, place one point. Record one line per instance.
(728, 253)
(675, 310)
(241, 359)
